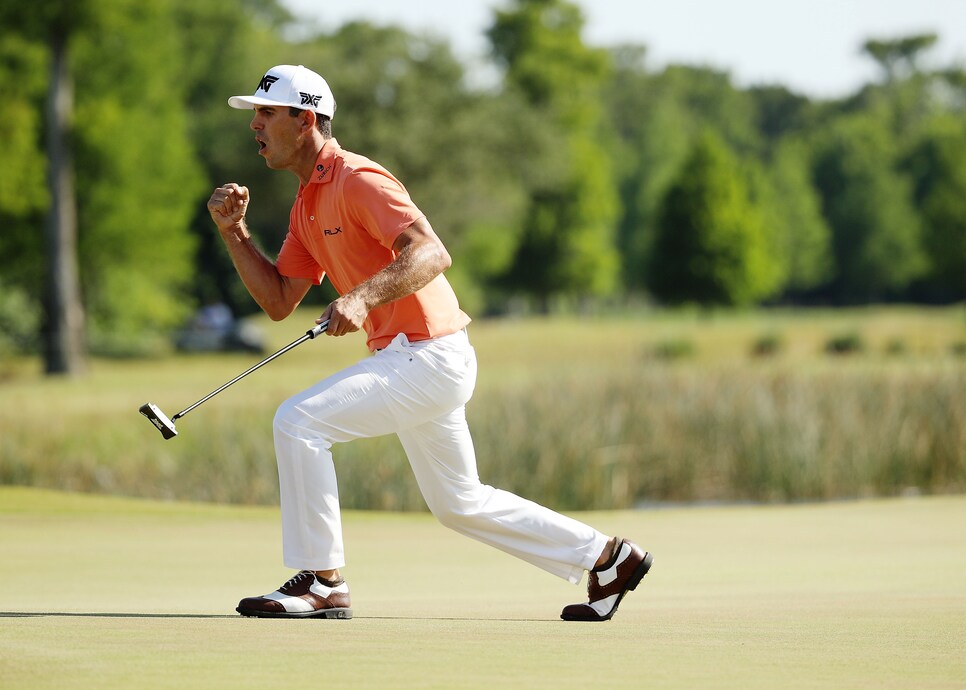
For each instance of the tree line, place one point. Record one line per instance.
(581, 177)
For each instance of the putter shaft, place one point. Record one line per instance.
(166, 425)
(310, 334)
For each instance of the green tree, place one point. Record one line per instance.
(800, 237)
(899, 57)
(711, 246)
(779, 113)
(657, 118)
(141, 178)
(909, 96)
(567, 247)
(54, 25)
(938, 167)
(651, 145)
(24, 196)
(868, 205)
(117, 82)
(226, 47)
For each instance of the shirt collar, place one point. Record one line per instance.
(325, 162)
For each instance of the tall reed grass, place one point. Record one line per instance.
(572, 418)
(740, 433)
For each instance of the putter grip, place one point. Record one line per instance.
(317, 330)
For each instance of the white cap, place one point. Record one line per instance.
(288, 85)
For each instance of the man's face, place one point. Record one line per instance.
(278, 135)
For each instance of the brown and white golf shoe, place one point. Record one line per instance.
(607, 584)
(304, 596)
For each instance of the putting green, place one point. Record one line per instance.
(113, 593)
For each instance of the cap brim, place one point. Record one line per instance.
(249, 102)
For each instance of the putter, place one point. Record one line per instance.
(166, 425)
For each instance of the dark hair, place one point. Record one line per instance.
(322, 122)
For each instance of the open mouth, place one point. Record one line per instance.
(261, 145)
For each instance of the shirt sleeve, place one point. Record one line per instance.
(295, 261)
(379, 203)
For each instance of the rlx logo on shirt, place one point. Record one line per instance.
(336, 231)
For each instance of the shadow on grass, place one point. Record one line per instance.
(64, 614)
(75, 614)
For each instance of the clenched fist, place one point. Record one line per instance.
(227, 205)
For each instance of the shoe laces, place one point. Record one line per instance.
(301, 575)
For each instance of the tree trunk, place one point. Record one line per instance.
(64, 336)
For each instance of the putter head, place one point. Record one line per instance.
(159, 419)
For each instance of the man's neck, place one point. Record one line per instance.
(305, 166)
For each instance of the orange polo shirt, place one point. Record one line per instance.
(343, 225)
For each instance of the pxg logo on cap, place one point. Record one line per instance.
(290, 85)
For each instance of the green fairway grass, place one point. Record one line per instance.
(101, 592)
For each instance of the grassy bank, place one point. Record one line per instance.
(576, 413)
(102, 592)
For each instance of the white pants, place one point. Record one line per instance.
(417, 391)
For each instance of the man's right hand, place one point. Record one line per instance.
(228, 205)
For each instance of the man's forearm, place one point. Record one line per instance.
(258, 273)
(412, 269)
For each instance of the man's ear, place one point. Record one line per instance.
(308, 120)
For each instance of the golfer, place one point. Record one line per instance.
(355, 223)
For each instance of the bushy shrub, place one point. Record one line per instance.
(19, 321)
(767, 345)
(844, 344)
